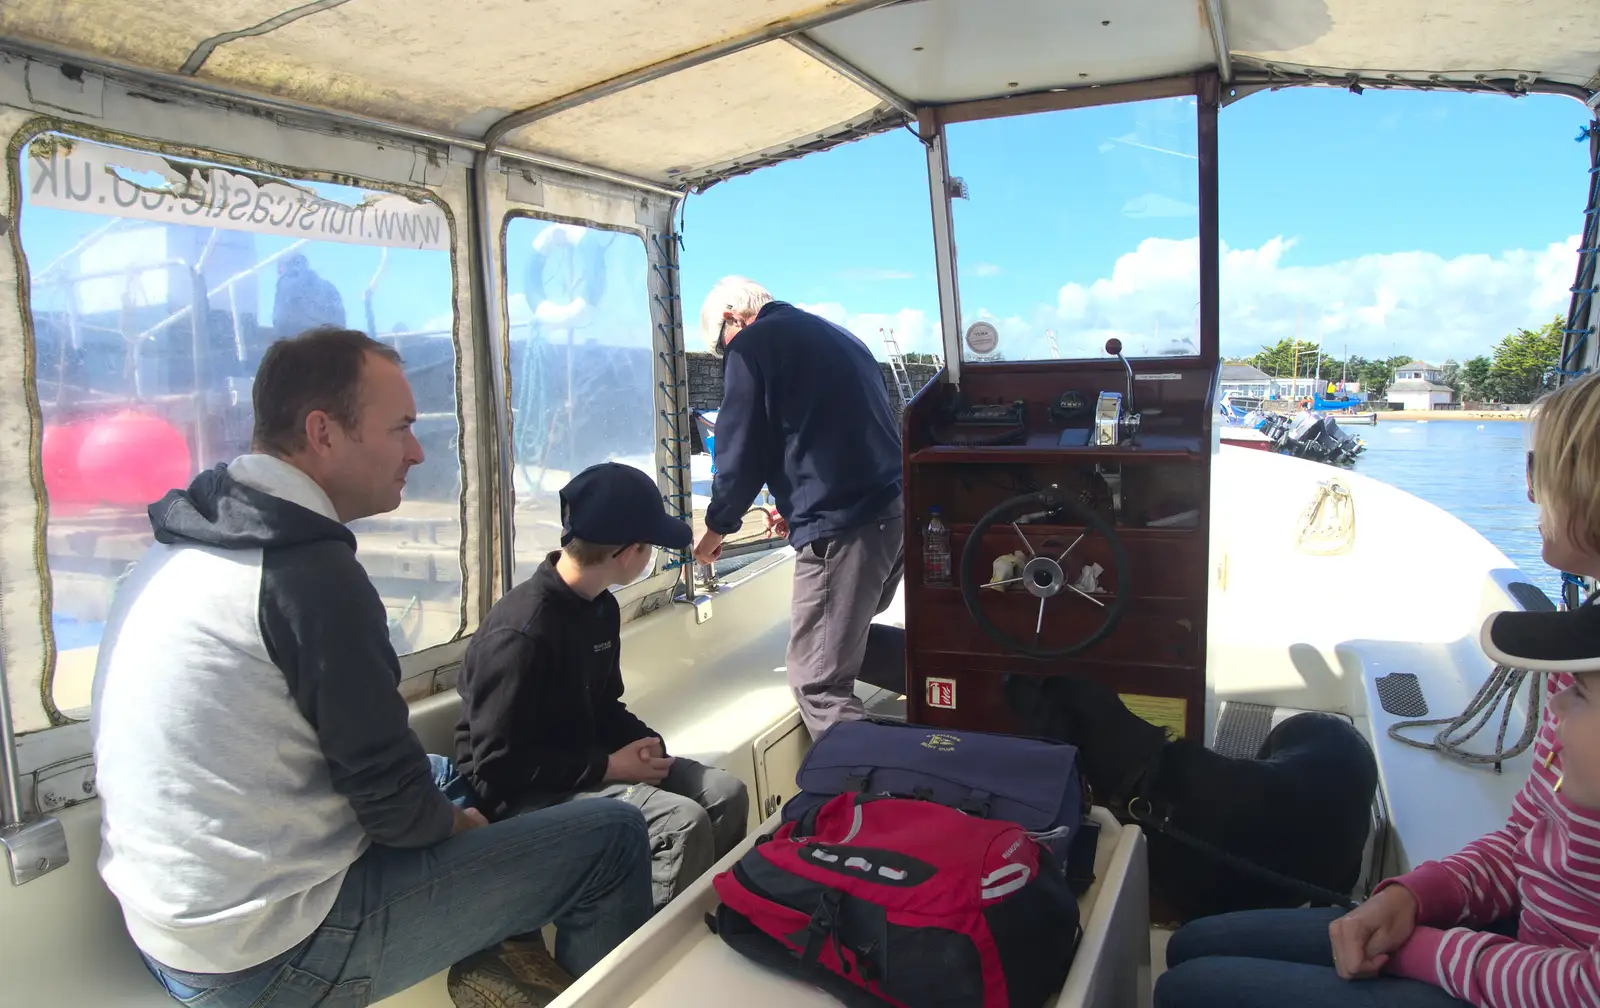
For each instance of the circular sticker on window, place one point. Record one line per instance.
(982, 338)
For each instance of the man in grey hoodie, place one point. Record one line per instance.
(272, 827)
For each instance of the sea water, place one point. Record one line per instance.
(1474, 470)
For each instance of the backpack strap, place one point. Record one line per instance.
(859, 779)
(823, 925)
(976, 803)
(807, 826)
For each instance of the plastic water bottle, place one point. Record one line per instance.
(936, 552)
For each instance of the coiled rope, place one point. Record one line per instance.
(1500, 688)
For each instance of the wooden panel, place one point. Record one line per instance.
(981, 706)
(1158, 648)
(1151, 631)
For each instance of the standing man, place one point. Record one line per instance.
(272, 828)
(303, 299)
(805, 411)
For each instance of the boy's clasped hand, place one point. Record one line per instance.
(642, 761)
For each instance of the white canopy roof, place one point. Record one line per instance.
(702, 88)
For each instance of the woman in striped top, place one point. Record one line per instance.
(1513, 919)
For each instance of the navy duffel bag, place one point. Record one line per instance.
(1029, 781)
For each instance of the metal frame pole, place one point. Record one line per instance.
(944, 244)
(1208, 104)
(11, 811)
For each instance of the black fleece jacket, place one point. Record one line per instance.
(541, 695)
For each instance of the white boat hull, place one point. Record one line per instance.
(1284, 632)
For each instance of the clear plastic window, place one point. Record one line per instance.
(156, 283)
(583, 386)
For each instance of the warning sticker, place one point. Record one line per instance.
(941, 693)
(1161, 711)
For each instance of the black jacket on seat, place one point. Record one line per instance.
(541, 694)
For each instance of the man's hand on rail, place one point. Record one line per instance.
(708, 548)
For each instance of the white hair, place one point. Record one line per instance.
(736, 294)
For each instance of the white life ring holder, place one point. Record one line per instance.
(587, 276)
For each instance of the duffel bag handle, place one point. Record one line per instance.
(859, 779)
(976, 803)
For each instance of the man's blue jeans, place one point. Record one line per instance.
(1272, 958)
(404, 915)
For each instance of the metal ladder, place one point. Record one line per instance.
(897, 365)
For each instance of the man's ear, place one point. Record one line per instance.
(319, 432)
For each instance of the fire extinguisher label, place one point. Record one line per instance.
(941, 693)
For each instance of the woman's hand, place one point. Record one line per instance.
(1364, 937)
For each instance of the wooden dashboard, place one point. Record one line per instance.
(1151, 493)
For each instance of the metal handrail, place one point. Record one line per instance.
(11, 811)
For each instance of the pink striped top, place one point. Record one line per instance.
(1545, 862)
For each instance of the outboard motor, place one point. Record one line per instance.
(1304, 434)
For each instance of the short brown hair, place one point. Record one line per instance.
(588, 554)
(1564, 466)
(320, 369)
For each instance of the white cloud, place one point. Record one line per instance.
(984, 269)
(913, 329)
(1418, 303)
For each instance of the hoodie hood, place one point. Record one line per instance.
(255, 510)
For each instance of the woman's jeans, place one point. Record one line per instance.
(404, 915)
(1273, 959)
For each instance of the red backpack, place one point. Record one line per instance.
(892, 900)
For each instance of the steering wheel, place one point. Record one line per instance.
(1042, 574)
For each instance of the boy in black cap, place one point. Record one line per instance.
(542, 717)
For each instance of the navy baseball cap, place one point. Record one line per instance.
(617, 505)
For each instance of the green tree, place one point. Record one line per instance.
(1376, 375)
(1450, 374)
(1525, 363)
(1475, 379)
(1297, 359)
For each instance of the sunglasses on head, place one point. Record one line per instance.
(1530, 477)
(722, 330)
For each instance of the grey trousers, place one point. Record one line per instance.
(696, 815)
(839, 585)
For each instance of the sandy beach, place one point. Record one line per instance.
(1475, 415)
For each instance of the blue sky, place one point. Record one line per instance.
(1389, 222)
(1400, 222)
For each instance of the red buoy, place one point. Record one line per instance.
(63, 482)
(132, 459)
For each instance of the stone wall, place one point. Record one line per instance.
(705, 381)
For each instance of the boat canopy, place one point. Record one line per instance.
(680, 95)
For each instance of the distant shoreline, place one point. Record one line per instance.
(1431, 415)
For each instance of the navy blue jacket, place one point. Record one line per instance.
(805, 411)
